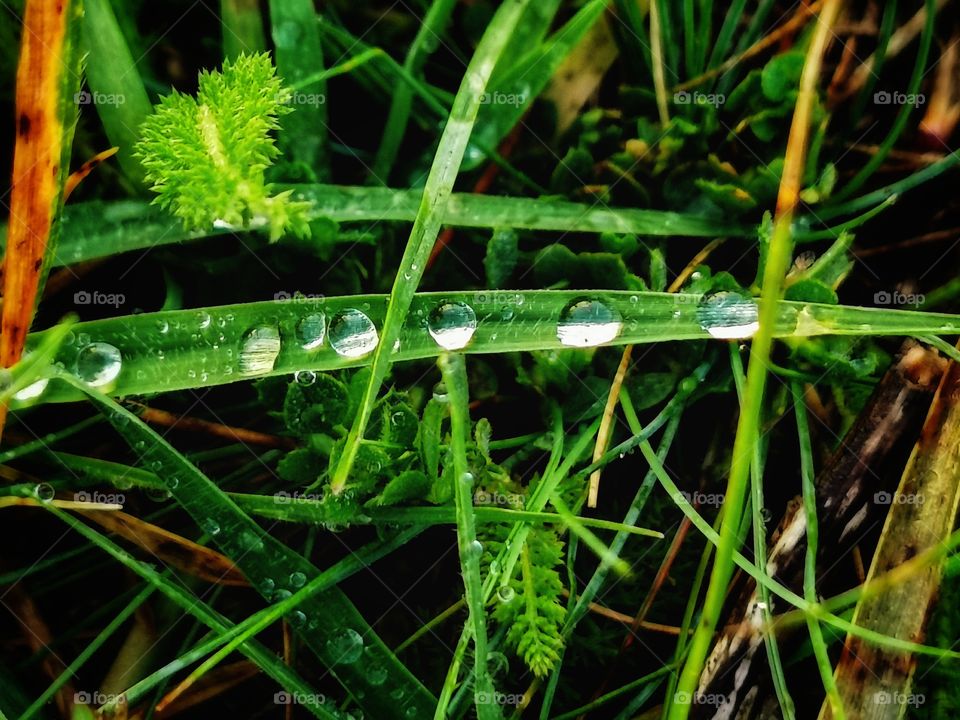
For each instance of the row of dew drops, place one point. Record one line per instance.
(583, 323)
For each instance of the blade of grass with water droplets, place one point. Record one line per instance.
(189, 603)
(430, 214)
(454, 372)
(336, 632)
(97, 229)
(174, 350)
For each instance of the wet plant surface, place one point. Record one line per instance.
(485, 359)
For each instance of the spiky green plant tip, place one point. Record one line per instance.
(205, 157)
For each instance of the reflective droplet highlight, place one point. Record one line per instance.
(587, 323)
(311, 330)
(728, 315)
(99, 364)
(352, 334)
(452, 325)
(345, 646)
(259, 350)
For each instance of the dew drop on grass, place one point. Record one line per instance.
(586, 323)
(162, 326)
(452, 325)
(297, 579)
(728, 315)
(259, 350)
(267, 587)
(505, 593)
(98, 364)
(440, 393)
(311, 330)
(209, 526)
(305, 377)
(44, 492)
(32, 391)
(376, 674)
(352, 334)
(475, 549)
(345, 646)
(297, 619)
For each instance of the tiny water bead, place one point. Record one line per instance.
(352, 334)
(305, 377)
(259, 350)
(311, 330)
(297, 579)
(98, 364)
(505, 593)
(728, 315)
(44, 492)
(345, 646)
(587, 323)
(452, 325)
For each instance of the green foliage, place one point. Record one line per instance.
(205, 157)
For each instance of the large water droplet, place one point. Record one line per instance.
(353, 334)
(585, 323)
(728, 315)
(311, 330)
(32, 391)
(452, 325)
(345, 646)
(259, 350)
(99, 364)
(297, 579)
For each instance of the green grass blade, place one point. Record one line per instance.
(454, 372)
(242, 28)
(810, 559)
(116, 89)
(426, 41)
(264, 658)
(336, 633)
(214, 346)
(98, 229)
(430, 214)
(299, 54)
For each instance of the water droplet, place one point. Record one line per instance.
(259, 350)
(267, 587)
(452, 325)
(305, 377)
(98, 364)
(440, 392)
(162, 326)
(203, 320)
(297, 579)
(32, 391)
(44, 492)
(297, 619)
(209, 526)
(728, 315)
(345, 646)
(311, 330)
(467, 480)
(586, 323)
(376, 674)
(353, 334)
(505, 593)
(475, 548)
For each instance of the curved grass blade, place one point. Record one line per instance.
(430, 214)
(174, 350)
(336, 632)
(98, 229)
(264, 658)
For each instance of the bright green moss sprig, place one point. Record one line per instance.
(205, 157)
